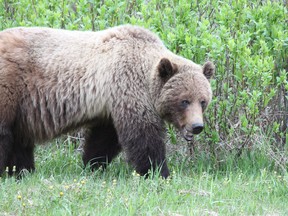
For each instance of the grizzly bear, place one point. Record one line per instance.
(121, 84)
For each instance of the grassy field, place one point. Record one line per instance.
(237, 166)
(60, 186)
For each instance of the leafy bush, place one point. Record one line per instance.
(247, 40)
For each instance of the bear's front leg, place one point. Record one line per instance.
(146, 151)
(143, 142)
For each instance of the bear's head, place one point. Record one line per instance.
(184, 92)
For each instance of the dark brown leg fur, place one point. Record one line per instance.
(6, 142)
(22, 159)
(143, 142)
(101, 145)
(147, 151)
(15, 148)
(13, 154)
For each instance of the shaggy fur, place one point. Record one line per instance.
(119, 83)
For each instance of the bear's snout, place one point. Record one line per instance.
(193, 121)
(197, 128)
(189, 131)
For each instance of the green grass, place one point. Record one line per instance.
(60, 186)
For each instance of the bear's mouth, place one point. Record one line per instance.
(188, 135)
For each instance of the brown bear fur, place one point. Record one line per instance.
(119, 83)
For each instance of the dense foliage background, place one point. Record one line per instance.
(247, 122)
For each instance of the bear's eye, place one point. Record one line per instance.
(203, 104)
(185, 103)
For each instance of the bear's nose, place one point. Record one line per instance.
(197, 128)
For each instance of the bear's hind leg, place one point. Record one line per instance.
(13, 156)
(22, 159)
(101, 145)
(6, 143)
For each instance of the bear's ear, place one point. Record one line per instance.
(166, 69)
(208, 69)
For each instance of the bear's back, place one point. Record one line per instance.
(38, 37)
(78, 49)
